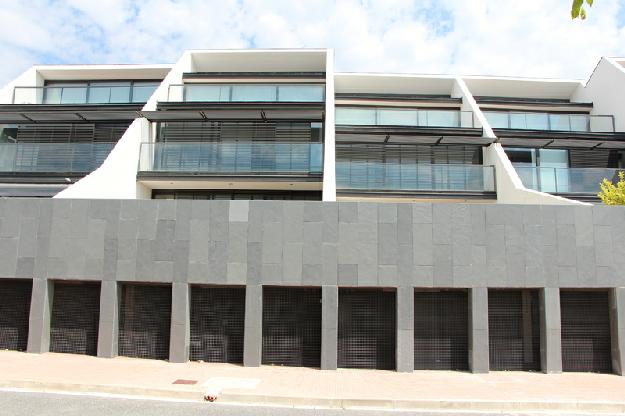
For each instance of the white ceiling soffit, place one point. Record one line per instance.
(254, 60)
(393, 84)
(522, 88)
(102, 72)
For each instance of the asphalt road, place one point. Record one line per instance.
(48, 404)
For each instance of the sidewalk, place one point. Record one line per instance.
(592, 393)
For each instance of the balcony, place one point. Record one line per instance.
(245, 158)
(247, 93)
(578, 123)
(383, 176)
(122, 93)
(52, 158)
(347, 116)
(582, 181)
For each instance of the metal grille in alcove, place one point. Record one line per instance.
(217, 324)
(144, 321)
(292, 326)
(14, 313)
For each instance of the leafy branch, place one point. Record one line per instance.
(577, 10)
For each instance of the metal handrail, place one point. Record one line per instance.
(53, 157)
(229, 92)
(86, 94)
(420, 117)
(565, 180)
(590, 124)
(238, 157)
(387, 176)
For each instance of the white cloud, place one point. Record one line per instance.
(501, 37)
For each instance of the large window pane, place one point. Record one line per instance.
(497, 120)
(579, 122)
(355, 116)
(397, 117)
(211, 93)
(301, 93)
(265, 93)
(438, 118)
(141, 92)
(537, 121)
(560, 122)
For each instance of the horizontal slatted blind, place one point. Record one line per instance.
(63, 133)
(217, 324)
(292, 326)
(514, 330)
(144, 321)
(409, 154)
(14, 313)
(441, 330)
(75, 318)
(191, 131)
(367, 325)
(597, 158)
(586, 343)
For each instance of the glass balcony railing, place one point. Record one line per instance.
(384, 176)
(226, 93)
(550, 121)
(348, 116)
(565, 180)
(52, 158)
(240, 157)
(85, 94)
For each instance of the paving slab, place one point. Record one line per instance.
(307, 387)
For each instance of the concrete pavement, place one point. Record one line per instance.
(304, 387)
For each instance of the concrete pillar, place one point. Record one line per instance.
(329, 327)
(108, 330)
(253, 338)
(550, 330)
(478, 330)
(617, 323)
(180, 335)
(405, 329)
(39, 319)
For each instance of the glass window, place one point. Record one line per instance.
(388, 117)
(211, 93)
(8, 133)
(355, 116)
(560, 122)
(497, 120)
(579, 122)
(142, 91)
(537, 121)
(441, 118)
(521, 156)
(263, 93)
(301, 93)
(109, 92)
(74, 94)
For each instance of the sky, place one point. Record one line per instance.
(529, 38)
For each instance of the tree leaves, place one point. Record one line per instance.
(612, 194)
(577, 9)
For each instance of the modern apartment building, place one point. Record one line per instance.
(257, 207)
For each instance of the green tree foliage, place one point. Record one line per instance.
(612, 194)
(577, 10)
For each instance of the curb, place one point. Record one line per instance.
(425, 405)
(326, 403)
(53, 387)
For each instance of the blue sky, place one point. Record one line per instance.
(491, 37)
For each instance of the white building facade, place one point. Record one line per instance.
(456, 223)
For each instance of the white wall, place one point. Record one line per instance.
(606, 90)
(116, 178)
(30, 78)
(510, 189)
(329, 143)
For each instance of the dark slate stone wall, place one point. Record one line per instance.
(313, 243)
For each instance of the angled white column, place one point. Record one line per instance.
(329, 143)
